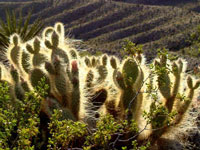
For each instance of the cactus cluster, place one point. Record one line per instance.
(88, 87)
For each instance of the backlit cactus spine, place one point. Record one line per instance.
(85, 88)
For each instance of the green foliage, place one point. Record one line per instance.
(131, 49)
(64, 132)
(159, 116)
(136, 147)
(23, 119)
(8, 119)
(107, 129)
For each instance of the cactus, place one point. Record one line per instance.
(191, 94)
(85, 88)
(25, 61)
(87, 62)
(60, 81)
(125, 81)
(14, 50)
(19, 91)
(54, 46)
(102, 70)
(74, 78)
(113, 63)
(38, 58)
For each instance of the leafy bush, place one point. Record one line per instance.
(20, 118)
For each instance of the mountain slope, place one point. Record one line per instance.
(104, 25)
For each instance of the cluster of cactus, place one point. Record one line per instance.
(85, 88)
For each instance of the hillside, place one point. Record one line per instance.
(105, 24)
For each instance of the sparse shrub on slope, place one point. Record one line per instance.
(89, 88)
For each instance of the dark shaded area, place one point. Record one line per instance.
(159, 2)
(167, 144)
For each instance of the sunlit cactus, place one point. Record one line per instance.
(38, 58)
(126, 80)
(14, 50)
(47, 32)
(18, 89)
(25, 62)
(191, 94)
(85, 88)
(53, 44)
(59, 28)
(87, 62)
(113, 62)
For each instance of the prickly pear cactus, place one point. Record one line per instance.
(88, 87)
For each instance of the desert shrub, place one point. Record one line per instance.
(20, 117)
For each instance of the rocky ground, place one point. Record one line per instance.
(186, 136)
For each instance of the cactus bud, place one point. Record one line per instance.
(59, 28)
(94, 62)
(87, 62)
(104, 60)
(74, 67)
(197, 84)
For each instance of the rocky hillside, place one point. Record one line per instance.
(105, 24)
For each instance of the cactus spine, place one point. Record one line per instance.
(91, 86)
